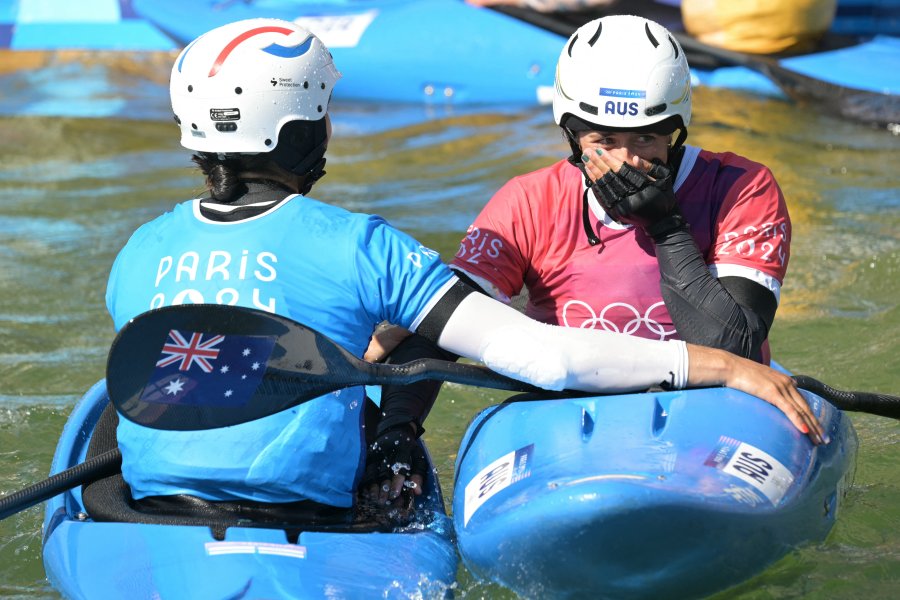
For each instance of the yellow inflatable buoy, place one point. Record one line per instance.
(758, 26)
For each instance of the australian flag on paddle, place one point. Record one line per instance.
(208, 369)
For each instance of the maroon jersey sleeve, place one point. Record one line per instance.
(498, 245)
(754, 229)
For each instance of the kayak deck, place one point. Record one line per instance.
(673, 494)
(84, 558)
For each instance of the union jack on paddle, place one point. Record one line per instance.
(190, 351)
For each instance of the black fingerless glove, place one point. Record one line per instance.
(646, 200)
(395, 451)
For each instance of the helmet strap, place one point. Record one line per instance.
(575, 159)
(570, 137)
(675, 157)
(678, 145)
(312, 176)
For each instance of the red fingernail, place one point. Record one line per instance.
(804, 428)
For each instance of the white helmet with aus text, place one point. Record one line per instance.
(623, 73)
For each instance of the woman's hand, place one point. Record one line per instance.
(385, 338)
(708, 366)
(395, 464)
(639, 193)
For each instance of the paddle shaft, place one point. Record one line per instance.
(442, 370)
(98, 467)
(109, 463)
(882, 405)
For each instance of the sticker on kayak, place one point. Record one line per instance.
(750, 464)
(498, 475)
(223, 548)
(743, 494)
(339, 31)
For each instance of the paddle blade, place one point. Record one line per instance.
(204, 366)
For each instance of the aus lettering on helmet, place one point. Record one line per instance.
(622, 73)
(256, 86)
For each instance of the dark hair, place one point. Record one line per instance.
(221, 172)
(300, 150)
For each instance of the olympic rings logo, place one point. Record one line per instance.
(606, 322)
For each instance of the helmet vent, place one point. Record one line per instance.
(650, 35)
(588, 108)
(655, 110)
(596, 35)
(674, 46)
(572, 43)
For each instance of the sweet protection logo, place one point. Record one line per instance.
(274, 49)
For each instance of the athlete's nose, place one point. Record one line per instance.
(630, 155)
(623, 153)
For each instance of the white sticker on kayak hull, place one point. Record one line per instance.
(339, 31)
(498, 475)
(754, 466)
(222, 548)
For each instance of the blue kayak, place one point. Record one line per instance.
(435, 51)
(653, 495)
(90, 558)
(397, 50)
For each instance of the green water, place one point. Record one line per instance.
(72, 190)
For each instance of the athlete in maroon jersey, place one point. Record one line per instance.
(635, 232)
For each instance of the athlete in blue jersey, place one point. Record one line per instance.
(338, 272)
(251, 100)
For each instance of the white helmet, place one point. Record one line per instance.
(235, 87)
(624, 73)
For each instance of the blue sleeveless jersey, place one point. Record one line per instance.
(338, 272)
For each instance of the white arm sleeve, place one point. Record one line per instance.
(557, 358)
